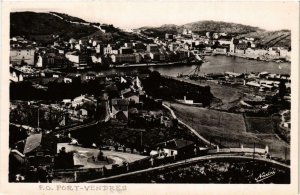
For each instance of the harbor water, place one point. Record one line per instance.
(213, 64)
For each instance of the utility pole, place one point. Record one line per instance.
(185, 145)
(38, 119)
(254, 150)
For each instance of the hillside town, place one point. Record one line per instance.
(183, 47)
(77, 115)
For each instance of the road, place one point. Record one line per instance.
(188, 161)
(188, 127)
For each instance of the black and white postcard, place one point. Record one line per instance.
(108, 97)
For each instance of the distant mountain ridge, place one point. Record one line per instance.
(208, 25)
(41, 27)
(280, 38)
(219, 26)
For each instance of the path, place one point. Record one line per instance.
(187, 126)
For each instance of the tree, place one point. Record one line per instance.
(248, 44)
(152, 83)
(23, 63)
(100, 156)
(235, 41)
(282, 90)
(147, 59)
(106, 62)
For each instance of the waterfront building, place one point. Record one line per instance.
(152, 47)
(155, 56)
(126, 50)
(273, 51)
(125, 58)
(241, 48)
(220, 50)
(225, 41)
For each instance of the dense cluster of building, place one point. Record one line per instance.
(92, 53)
(216, 43)
(89, 53)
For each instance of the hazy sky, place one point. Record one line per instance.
(134, 14)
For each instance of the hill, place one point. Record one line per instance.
(68, 17)
(218, 26)
(41, 27)
(200, 27)
(280, 38)
(204, 26)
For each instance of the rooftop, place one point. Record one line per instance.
(176, 144)
(119, 102)
(32, 142)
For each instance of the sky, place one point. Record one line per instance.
(135, 14)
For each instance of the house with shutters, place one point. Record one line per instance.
(19, 55)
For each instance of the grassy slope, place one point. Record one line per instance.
(226, 129)
(281, 38)
(112, 37)
(259, 125)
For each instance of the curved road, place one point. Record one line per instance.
(188, 161)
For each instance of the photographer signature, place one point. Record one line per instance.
(264, 176)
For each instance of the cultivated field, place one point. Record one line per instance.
(259, 125)
(229, 130)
